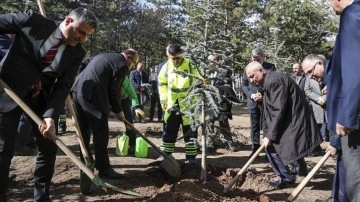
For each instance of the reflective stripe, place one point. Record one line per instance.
(179, 90)
(167, 147)
(190, 149)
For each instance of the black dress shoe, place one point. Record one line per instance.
(12, 176)
(110, 173)
(231, 147)
(327, 200)
(281, 184)
(295, 172)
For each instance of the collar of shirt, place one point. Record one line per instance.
(53, 39)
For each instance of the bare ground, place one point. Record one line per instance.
(154, 184)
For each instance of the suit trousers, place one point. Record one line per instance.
(350, 146)
(155, 102)
(126, 107)
(98, 126)
(277, 165)
(45, 160)
(256, 121)
(338, 191)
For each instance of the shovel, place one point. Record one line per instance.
(303, 183)
(170, 165)
(239, 174)
(61, 145)
(85, 181)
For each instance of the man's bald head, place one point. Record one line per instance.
(255, 72)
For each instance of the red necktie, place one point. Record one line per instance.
(45, 62)
(50, 55)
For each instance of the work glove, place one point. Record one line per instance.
(163, 107)
(139, 113)
(206, 82)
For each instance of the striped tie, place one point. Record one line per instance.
(50, 55)
(45, 62)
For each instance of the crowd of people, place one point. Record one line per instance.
(318, 103)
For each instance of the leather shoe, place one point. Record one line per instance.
(295, 172)
(11, 176)
(326, 200)
(231, 147)
(110, 173)
(281, 184)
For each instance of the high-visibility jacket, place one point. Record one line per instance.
(127, 90)
(173, 86)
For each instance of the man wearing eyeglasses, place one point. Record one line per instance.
(315, 68)
(173, 88)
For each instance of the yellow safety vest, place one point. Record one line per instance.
(173, 86)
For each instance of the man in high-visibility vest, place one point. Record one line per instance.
(173, 88)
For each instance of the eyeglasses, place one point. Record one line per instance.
(176, 58)
(311, 71)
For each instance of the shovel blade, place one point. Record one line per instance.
(171, 166)
(85, 183)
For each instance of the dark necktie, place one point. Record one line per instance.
(45, 62)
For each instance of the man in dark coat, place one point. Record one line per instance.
(254, 100)
(220, 77)
(42, 80)
(292, 130)
(94, 90)
(138, 78)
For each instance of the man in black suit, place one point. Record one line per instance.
(254, 99)
(43, 81)
(97, 87)
(220, 77)
(155, 98)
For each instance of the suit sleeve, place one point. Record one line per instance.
(275, 106)
(113, 91)
(309, 92)
(245, 86)
(11, 23)
(134, 81)
(350, 61)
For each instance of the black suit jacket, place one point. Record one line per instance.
(5, 43)
(223, 76)
(21, 67)
(250, 88)
(99, 82)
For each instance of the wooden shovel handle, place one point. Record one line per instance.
(53, 137)
(303, 183)
(127, 123)
(84, 151)
(238, 175)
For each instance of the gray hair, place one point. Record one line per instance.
(84, 15)
(313, 57)
(257, 52)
